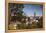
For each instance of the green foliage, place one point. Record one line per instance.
(16, 9)
(19, 11)
(21, 26)
(34, 25)
(41, 22)
(29, 26)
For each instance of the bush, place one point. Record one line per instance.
(34, 25)
(21, 26)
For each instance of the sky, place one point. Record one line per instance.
(29, 9)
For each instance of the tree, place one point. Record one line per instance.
(19, 11)
(41, 22)
(16, 9)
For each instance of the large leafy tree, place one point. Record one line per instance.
(16, 9)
